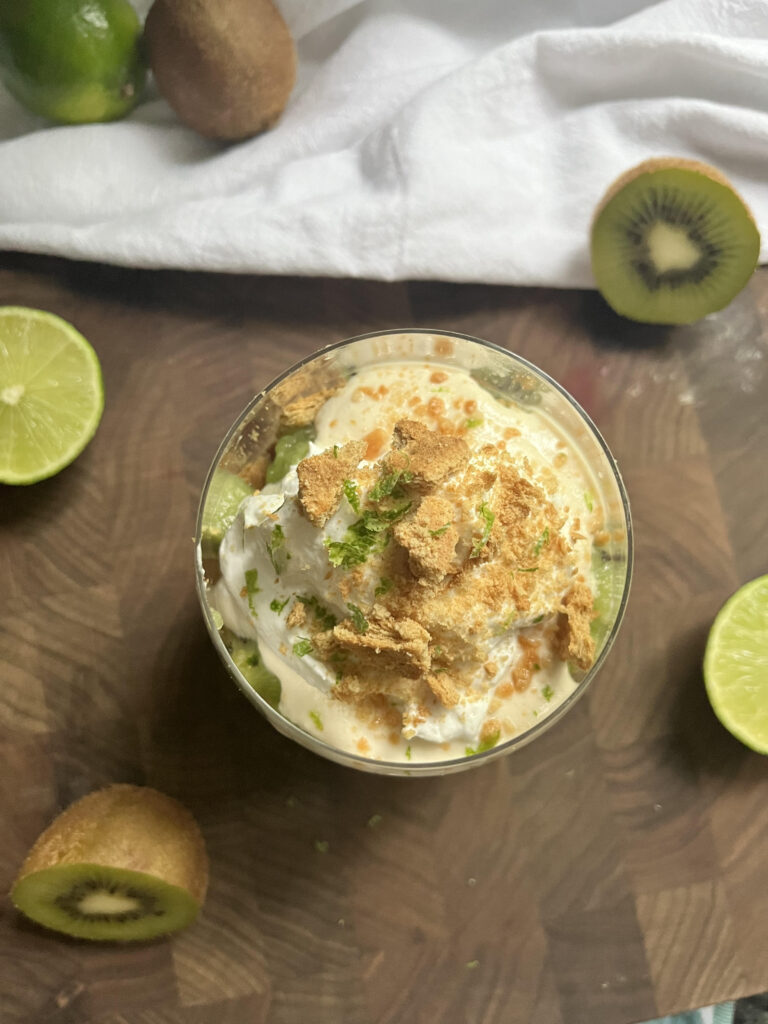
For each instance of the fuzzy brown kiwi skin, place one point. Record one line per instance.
(226, 67)
(125, 826)
(666, 163)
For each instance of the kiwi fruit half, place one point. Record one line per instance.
(125, 863)
(672, 241)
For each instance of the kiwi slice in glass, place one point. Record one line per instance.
(672, 241)
(125, 863)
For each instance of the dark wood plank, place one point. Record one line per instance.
(609, 872)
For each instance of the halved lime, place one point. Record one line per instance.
(736, 665)
(51, 394)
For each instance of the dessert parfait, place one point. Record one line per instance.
(419, 566)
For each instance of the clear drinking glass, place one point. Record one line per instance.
(510, 379)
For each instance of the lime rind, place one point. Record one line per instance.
(736, 665)
(51, 394)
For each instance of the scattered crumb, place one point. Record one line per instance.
(400, 645)
(573, 641)
(444, 688)
(297, 615)
(429, 536)
(321, 480)
(430, 457)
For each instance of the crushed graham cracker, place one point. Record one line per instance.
(389, 644)
(444, 687)
(297, 615)
(430, 457)
(321, 480)
(429, 536)
(573, 640)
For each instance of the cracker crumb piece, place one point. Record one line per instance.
(321, 480)
(430, 457)
(302, 411)
(491, 727)
(255, 471)
(524, 668)
(297, 615)
(389, 644)
(430, 537)
(573, 641)
(444, 688)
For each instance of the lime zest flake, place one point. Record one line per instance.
(487, 744)
(278, 556)
(440, 530)
(365, 535)
(302, 646)
(322, 845)
(589, 501)
(408, 752)
(384, 587)
(547, 692)
(318, 722)
(277, 606)
(488, 520)
(472, 423)
(388, 482)
(541, 542)
(358, 619)
(350, 493)
(374, 820)
(252, 588)
(325, 619)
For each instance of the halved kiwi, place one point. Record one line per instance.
(672, 241)
(125, 863)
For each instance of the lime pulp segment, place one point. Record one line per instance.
(736, 664)
(51, 394)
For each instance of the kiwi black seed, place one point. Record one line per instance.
(124, 863)
(672, 241)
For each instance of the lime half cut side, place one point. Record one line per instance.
(51, 394)
(736, 665)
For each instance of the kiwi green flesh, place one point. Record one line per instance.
(93, 901)
(222, 503)
(673, 246)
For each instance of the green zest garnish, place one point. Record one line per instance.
(488, 518)
(277, 606)
(408, 753)
(440, 531)
(384, 587)
(469, 424)
(364, 536)
(335, 451)
(252, 587)
(358, 619)
(245, 654)
(322, 845)
(276, 549)
(388, 482)
(547, 693)
(534, 568)
(543, 539)
(302, 646)
(537, 619)
(374, 820)
(472, 964)
(317, 720)
(536, 667)
(588, 501)
(350, 492)
(483, 745)
(324, 618)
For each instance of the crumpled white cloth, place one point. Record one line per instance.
(464, 140)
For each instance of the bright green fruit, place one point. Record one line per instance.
(72, 61)
(222, 503)
(51, 394)
(736, 665)
(672, 241)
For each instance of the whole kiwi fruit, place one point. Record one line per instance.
(125, 863)
(226, 67)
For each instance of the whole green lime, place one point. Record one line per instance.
(72, 61)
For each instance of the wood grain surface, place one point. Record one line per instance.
(612, 871)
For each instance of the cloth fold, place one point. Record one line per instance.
(425, 139)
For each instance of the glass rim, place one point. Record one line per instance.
(419, 768)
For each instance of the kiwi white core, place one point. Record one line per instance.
(671, 248)
(100, 902)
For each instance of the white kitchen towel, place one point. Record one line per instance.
(464, 140)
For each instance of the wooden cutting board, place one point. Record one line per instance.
(612, 871)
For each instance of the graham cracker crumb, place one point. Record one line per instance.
(429, 536)
(430, 457)
(321, 480)
(389, 644)
(444, 688)
(297, 615)
(573, 641)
